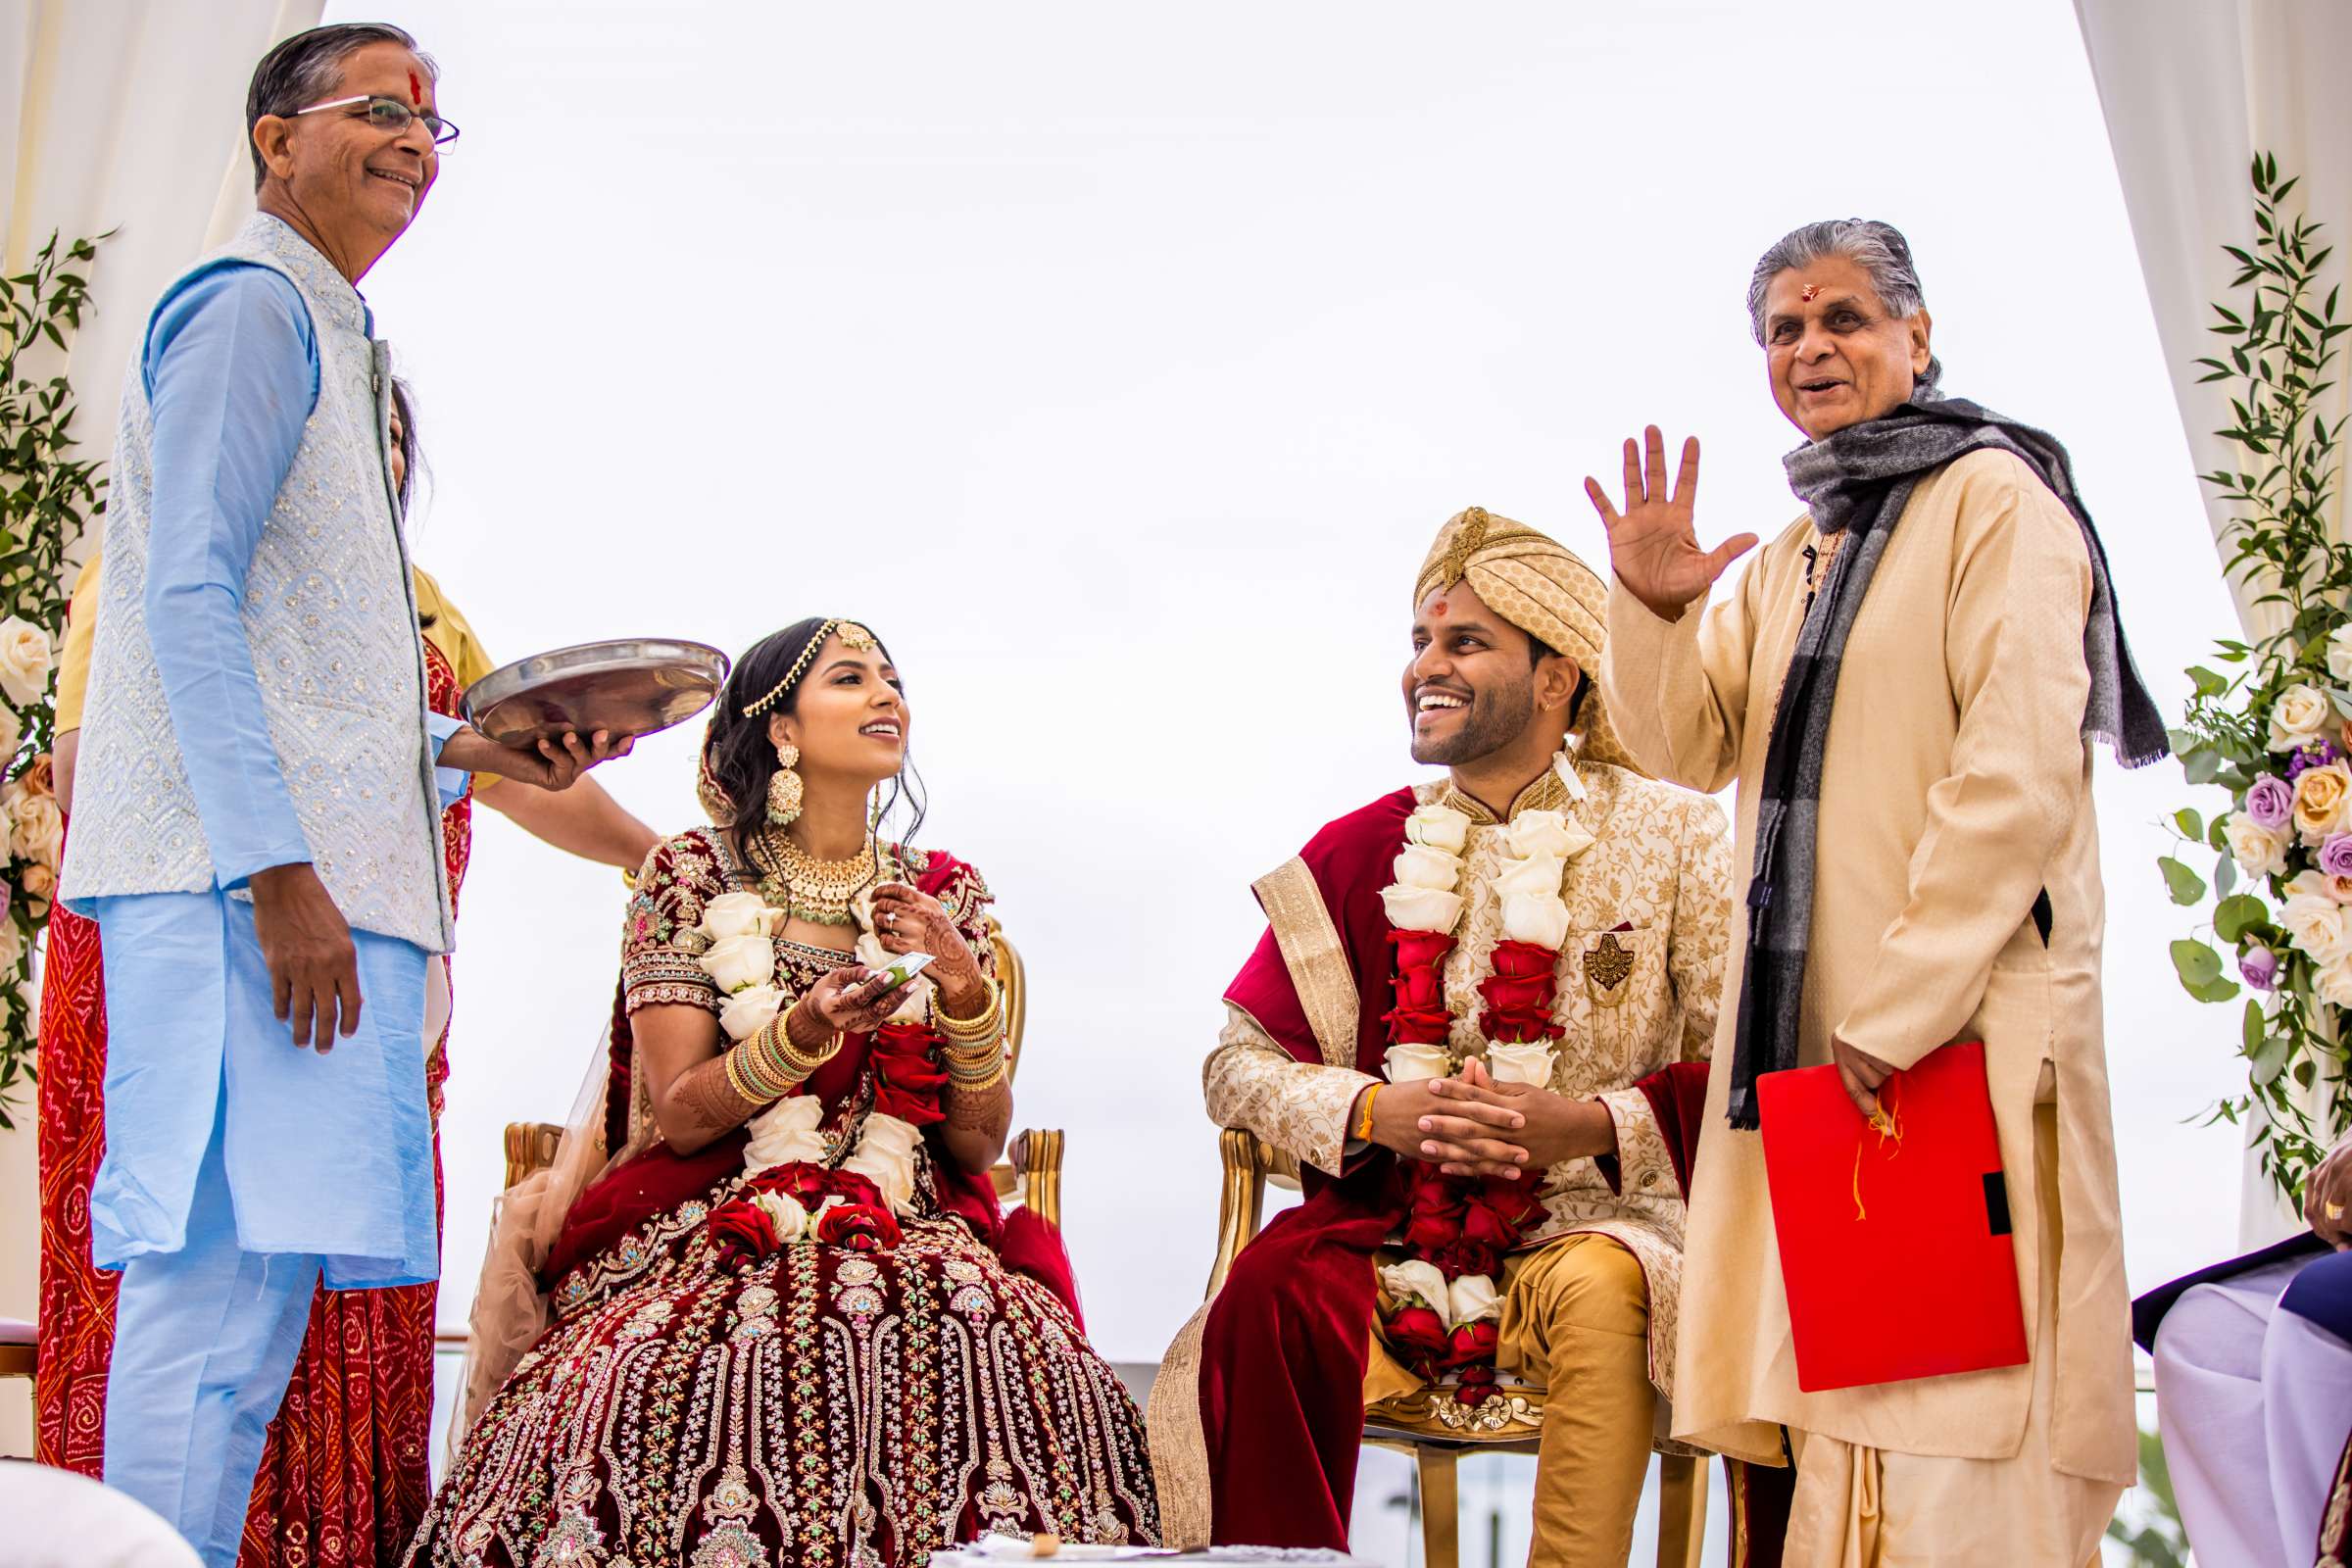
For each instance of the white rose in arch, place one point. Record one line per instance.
(37, 829)
(1420, 866)
(2314, 920)
(786, 1213)
(735, 914)
(750, 1011)
(2258, 851)
(1413, 1280)
(1472, 1300)
(24, 661)
(1526, 1063)
(12, 943)
(1421, 909)
(2335, 983)
(1538, 918)
(1413, 1061)
(2300, 715)
(1537, 874)
(1441, 827)
(2339, 653)
(12, 733)
(740, 961)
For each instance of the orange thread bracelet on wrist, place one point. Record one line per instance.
(1364, 1127)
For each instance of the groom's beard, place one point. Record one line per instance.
(1494, 719)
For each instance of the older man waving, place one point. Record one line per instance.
(257, 830)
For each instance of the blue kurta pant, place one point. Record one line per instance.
(239, 1169)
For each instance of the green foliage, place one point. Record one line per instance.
(47, 497)
(2279, 346)
(2156, 1540)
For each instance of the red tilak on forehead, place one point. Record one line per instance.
(1811, 289)
(1438, 608)
(417, 100)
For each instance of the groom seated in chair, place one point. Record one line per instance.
(1465, 1022)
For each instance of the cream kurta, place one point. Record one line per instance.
(1657, 882)
(1956, 786)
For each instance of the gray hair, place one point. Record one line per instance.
(308, 67)
(1878, 249)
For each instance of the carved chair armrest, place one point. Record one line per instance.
(530, 1147)
(1033, 1169)
(1241, 1197)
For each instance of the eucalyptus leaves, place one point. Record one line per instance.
(2276, 733)
(47, 495)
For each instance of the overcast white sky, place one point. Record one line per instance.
(1117, 365)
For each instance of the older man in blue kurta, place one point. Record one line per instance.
(257, 821)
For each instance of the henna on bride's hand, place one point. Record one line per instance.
(704, 1093)
(990, 1114)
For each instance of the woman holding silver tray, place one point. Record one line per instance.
(786, 1321)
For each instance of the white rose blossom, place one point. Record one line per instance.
(1538, 918)
(12, 943)
(2335, 983)
(1547, 833)
(1414, 1281)
(2339, 654)
(37, 828)
(885, 1156)
(1523, 1062)
(1418, 866)
(736, 963)
(24, 661)
(785, 1134)
(2313, 919)
(2258, 851)
(750, 1011)
(1411, 1061)
(1472, 1300)
(736, 914)
(1439, 827)
(785, 1212)
(1421, 909)
(12, 733)
(1538, 874)
(2299, 717)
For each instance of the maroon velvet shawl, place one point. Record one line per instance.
(659, 1178)
(1281, 1370)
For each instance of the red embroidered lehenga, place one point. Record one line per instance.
(817, 1405)
(343, 1479)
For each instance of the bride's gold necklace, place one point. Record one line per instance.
(815, 890)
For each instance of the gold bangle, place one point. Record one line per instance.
(981, 1086)
(745, 1079)
(1364, 1127)
(988, 1024)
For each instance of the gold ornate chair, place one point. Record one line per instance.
(1428, 1424)
(1032, 1171)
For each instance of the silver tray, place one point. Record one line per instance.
(631, 686)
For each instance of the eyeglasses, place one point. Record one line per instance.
(391, 117)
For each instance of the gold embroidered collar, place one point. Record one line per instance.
(1547, 793)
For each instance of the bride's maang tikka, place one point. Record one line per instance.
(853, 636)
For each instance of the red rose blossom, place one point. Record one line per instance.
(1471, 1343)
(859, 1227)
(1419, 988)
(1524, 960)
(1505, 995)
(743, 1234)
(1421, 950)
(1418, 1332)
(1418, 1026)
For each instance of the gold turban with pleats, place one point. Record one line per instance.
(1540, 586)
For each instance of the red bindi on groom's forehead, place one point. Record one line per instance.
(1438, 608)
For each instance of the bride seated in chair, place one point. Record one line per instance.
(788, 1321)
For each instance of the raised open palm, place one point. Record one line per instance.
(1652, 546)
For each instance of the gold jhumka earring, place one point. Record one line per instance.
(784, 790)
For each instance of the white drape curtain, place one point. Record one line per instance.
(126, 115)
(2192, 90)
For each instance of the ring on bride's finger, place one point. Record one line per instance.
(2335, 1211)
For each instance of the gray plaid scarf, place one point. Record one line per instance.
(1857, 481)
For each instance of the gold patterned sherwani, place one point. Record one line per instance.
(1653, 887)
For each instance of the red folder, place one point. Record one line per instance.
(1894, 1236)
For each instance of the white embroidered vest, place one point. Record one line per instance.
(330, 610)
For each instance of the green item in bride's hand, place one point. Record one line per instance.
(899, 971)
